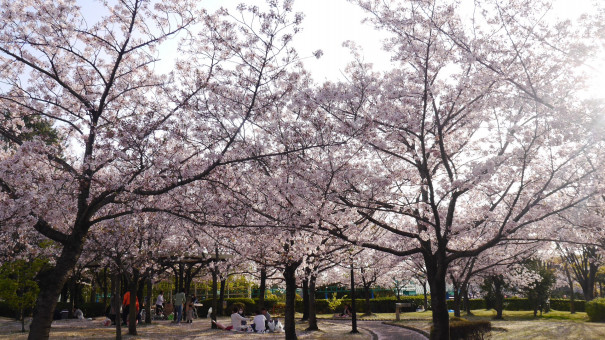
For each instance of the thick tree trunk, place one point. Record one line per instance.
(263, 287)
(115, 295)
(290, 278)
(148, 299)
(53, 281)
(312, 310)
(222, 297)
(441, 318)
(305, 291)
(132, 313)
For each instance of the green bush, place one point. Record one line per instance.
(565, 305)
(596, 310)
(7, 311)
(475, 304)
(462, 329)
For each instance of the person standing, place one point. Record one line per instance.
(159, 303)
(179, 300)
(126, 307)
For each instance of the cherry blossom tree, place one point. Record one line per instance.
(480, 132)
(134, 139)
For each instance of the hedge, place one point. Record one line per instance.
(565, 305)
(475, 304)
(462, 329)
(596, 310)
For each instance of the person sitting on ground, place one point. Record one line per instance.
(268, 318)
(259, 321)
(346, 312)
(221, 326)
(78, 313)
(238, 321)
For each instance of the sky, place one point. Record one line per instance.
(329, 23)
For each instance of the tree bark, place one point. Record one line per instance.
(222, 297)
(132, 313)
(54, 280)
(289, 321)
(467, 302)
(115, 295)
(305, 291)
(148, 299)
(263, 287)
(214, 297)
(105, 286)
(426, 298)
(93, 288)
(368, 308)
(441, 320)
(312, 310)
(353, 305)
(499, 297)
(457, 301)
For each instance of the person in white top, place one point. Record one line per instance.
(259, 322)
(159, 303)
(236, 321)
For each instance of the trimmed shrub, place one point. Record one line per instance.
(596, 310)
(462, 329)
(565, 305)
(475, 304)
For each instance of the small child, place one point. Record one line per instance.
(189, 311)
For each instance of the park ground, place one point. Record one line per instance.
(516, 325)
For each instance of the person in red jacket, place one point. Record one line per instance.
(126, 307)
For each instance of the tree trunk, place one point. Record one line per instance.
(312, 310)
(53, 281)
(441, 318)
(22, 317)
(467, 302)
(263, 287)
(115, 295)
(105, 286)
(426, 298)
(368, 308)
(289, 321)
(148, 299)
(499, 297)
(222, 297)
(305, 291)
(132, 315)
(353, 307)
(214, 297)
(93, 288)
(457, 301)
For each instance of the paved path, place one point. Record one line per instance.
(381, 331)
